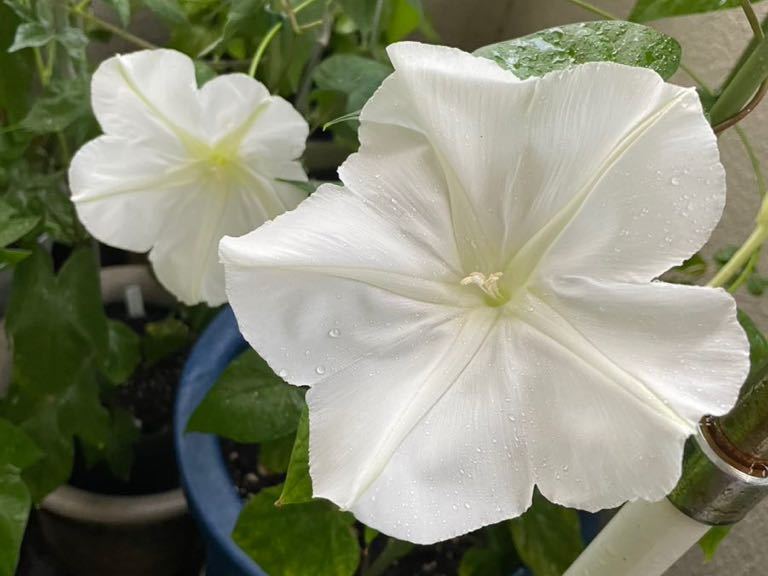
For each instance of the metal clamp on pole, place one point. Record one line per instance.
(720, 483)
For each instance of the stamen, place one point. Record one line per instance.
(488, 284)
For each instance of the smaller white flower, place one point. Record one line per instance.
(179, 167)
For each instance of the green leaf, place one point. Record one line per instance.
(723, 255)
(16, 447)
(404, 20)
(710, 542)
(393, 550)
(360, 12)
(58, 332)
(203, 73)
(74, 42)
(249, 403)
(117, 448)
(65, 103)
(14, 226)
(55, 323)
(169, 10)
(123, 352)
(11, 256)
(41, 423)
(275, 455)
(354, 76)
(163, 339)
(756, 285)
(602, 41)
(44, 195)
(15, 503)
(247, 17)
(547, 537)
(17, 70)
(369, 535)
(647, 10)
(758, 346)
(495, 556)
(298, 483)
(312, 538)
(31, 35)
(123, 9)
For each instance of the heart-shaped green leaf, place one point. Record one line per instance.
(601, 41)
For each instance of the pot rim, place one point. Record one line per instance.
(93, 508)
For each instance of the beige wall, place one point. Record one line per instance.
(710, 43)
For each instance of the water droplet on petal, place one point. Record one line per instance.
(334, 333)
(320, 369)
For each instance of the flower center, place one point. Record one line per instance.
(219, 158)
(488, 284)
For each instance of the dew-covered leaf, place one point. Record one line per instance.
(547, 537)
(249, 403)
(601, 41)
(298, 483)
(310, 538)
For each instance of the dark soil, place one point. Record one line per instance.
(441, 559)
(244, 469)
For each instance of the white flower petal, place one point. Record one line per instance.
(363, 280)
(519, 156)
(185, 258)
(469, 111)
(591, 444)
(633, 185)
(230, 103)
(124, 194)
(151, 94)
(429, 447)
(683, 342)
(619, 375)
(279, 133)
(240, 112)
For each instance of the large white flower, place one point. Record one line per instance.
(475, 310)
(178, 167)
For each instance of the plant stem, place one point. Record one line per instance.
(393, 551)
(746, 272)
(262, 47)
(117, 31)
(594, 9)
(754, 21)
(742, 255)
(373, 39)
(744, 90)
(762, 186)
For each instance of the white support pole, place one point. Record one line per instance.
(643, 539)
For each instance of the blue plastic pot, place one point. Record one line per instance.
(212, 498)
(211, 494)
